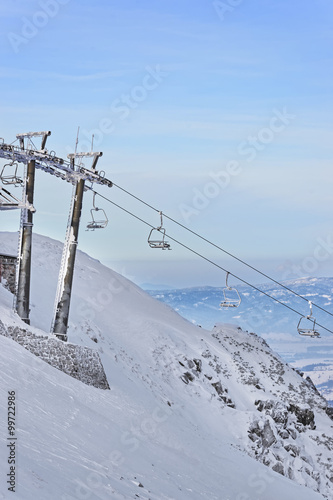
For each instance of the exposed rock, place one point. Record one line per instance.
(304, 416)
(187, 377)
(292, 449)
(329, 411)
(198, 364)
(278, 467)
(268, 437)
(222, 394)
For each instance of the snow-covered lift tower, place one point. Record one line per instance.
(22, 304)
(24, 266)
(10, 202)
(64, 290)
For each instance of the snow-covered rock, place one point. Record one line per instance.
(275, 323)
(79, 362)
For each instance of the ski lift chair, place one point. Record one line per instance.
(99, 222)
(231, 297)
(10, 177)
(303, 325)
(156, 238)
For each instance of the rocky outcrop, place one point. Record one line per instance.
(280, 437)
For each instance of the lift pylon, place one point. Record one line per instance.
(24, 260)
(63, 298)
(64, 290)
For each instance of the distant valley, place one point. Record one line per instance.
(275, 323)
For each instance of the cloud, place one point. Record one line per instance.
(6, 72)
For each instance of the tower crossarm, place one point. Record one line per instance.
(51, 164)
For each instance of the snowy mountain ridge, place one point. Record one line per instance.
(201, 305)
(190, 414)
(276, 324)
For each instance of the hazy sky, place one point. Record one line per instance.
(218, 113)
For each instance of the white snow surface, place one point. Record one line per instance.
(158, 433)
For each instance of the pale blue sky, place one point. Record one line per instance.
(251, 86)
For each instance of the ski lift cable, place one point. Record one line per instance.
(223, 250)
(210, 261)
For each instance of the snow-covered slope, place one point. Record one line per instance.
(191, 414)
(276, 324)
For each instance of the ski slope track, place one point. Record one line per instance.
(190, 414)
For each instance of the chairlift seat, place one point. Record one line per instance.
(159, 244)
(309, 333)
(229, 303)
(96, 224)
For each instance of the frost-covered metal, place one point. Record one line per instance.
(51, 164)
(64, 290)
(71, 171)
